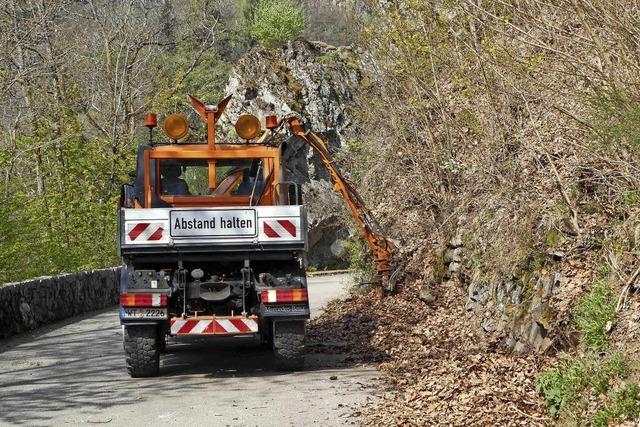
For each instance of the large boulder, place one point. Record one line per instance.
(316, 81)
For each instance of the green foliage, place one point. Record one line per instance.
(631, 198)
(568, 387)
(617, 116)
(358, 251)
(593, 312)
(330, 58)
(552, 237)
(575, 383)
(87, 100)
(623, 405)
(559, 387)
(528, 269)
(603, 271)
(277, 21)
(360, 261)
(71, 225)
(62, 172)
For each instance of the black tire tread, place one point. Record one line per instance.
(141, 350)
(289, 345)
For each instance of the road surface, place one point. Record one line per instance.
(72, 373)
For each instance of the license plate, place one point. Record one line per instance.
(145, 313)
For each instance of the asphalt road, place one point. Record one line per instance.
(72, 373)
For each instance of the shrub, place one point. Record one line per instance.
(623, 404)
(570, 384)
(359, 259)
(560, 386)
(277, 21)
(593, 312)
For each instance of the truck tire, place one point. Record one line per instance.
(141, 351)
(288, 344)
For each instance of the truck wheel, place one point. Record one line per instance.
(141, 351)
(288, 344)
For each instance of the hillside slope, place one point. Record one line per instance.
(499, 144)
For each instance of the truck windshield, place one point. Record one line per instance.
(234, 177)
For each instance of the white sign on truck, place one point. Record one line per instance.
(213, 223)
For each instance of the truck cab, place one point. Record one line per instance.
(213, 240)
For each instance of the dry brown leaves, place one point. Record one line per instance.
(439, 371)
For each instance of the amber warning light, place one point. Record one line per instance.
(176, 126)
(151, 120)
(271, 122)
(247, 126)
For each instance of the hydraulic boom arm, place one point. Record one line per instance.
(382, 248)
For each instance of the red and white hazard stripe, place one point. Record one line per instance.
(222, 326)
(145, 231)
(280, 228)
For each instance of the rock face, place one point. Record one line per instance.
(516, 310)
(26, 305)
(518, 314)
(316, 81)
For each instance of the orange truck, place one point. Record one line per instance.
(213, 239)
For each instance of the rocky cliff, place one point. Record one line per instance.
(317, 81)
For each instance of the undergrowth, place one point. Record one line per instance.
(595, 377)
(361, 262)
(592, 314)
(621, 404)
(570, 386)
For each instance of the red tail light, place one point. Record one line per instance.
(283, 295)
(143, 300)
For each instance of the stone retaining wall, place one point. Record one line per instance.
(26, 305)
(515, 309)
